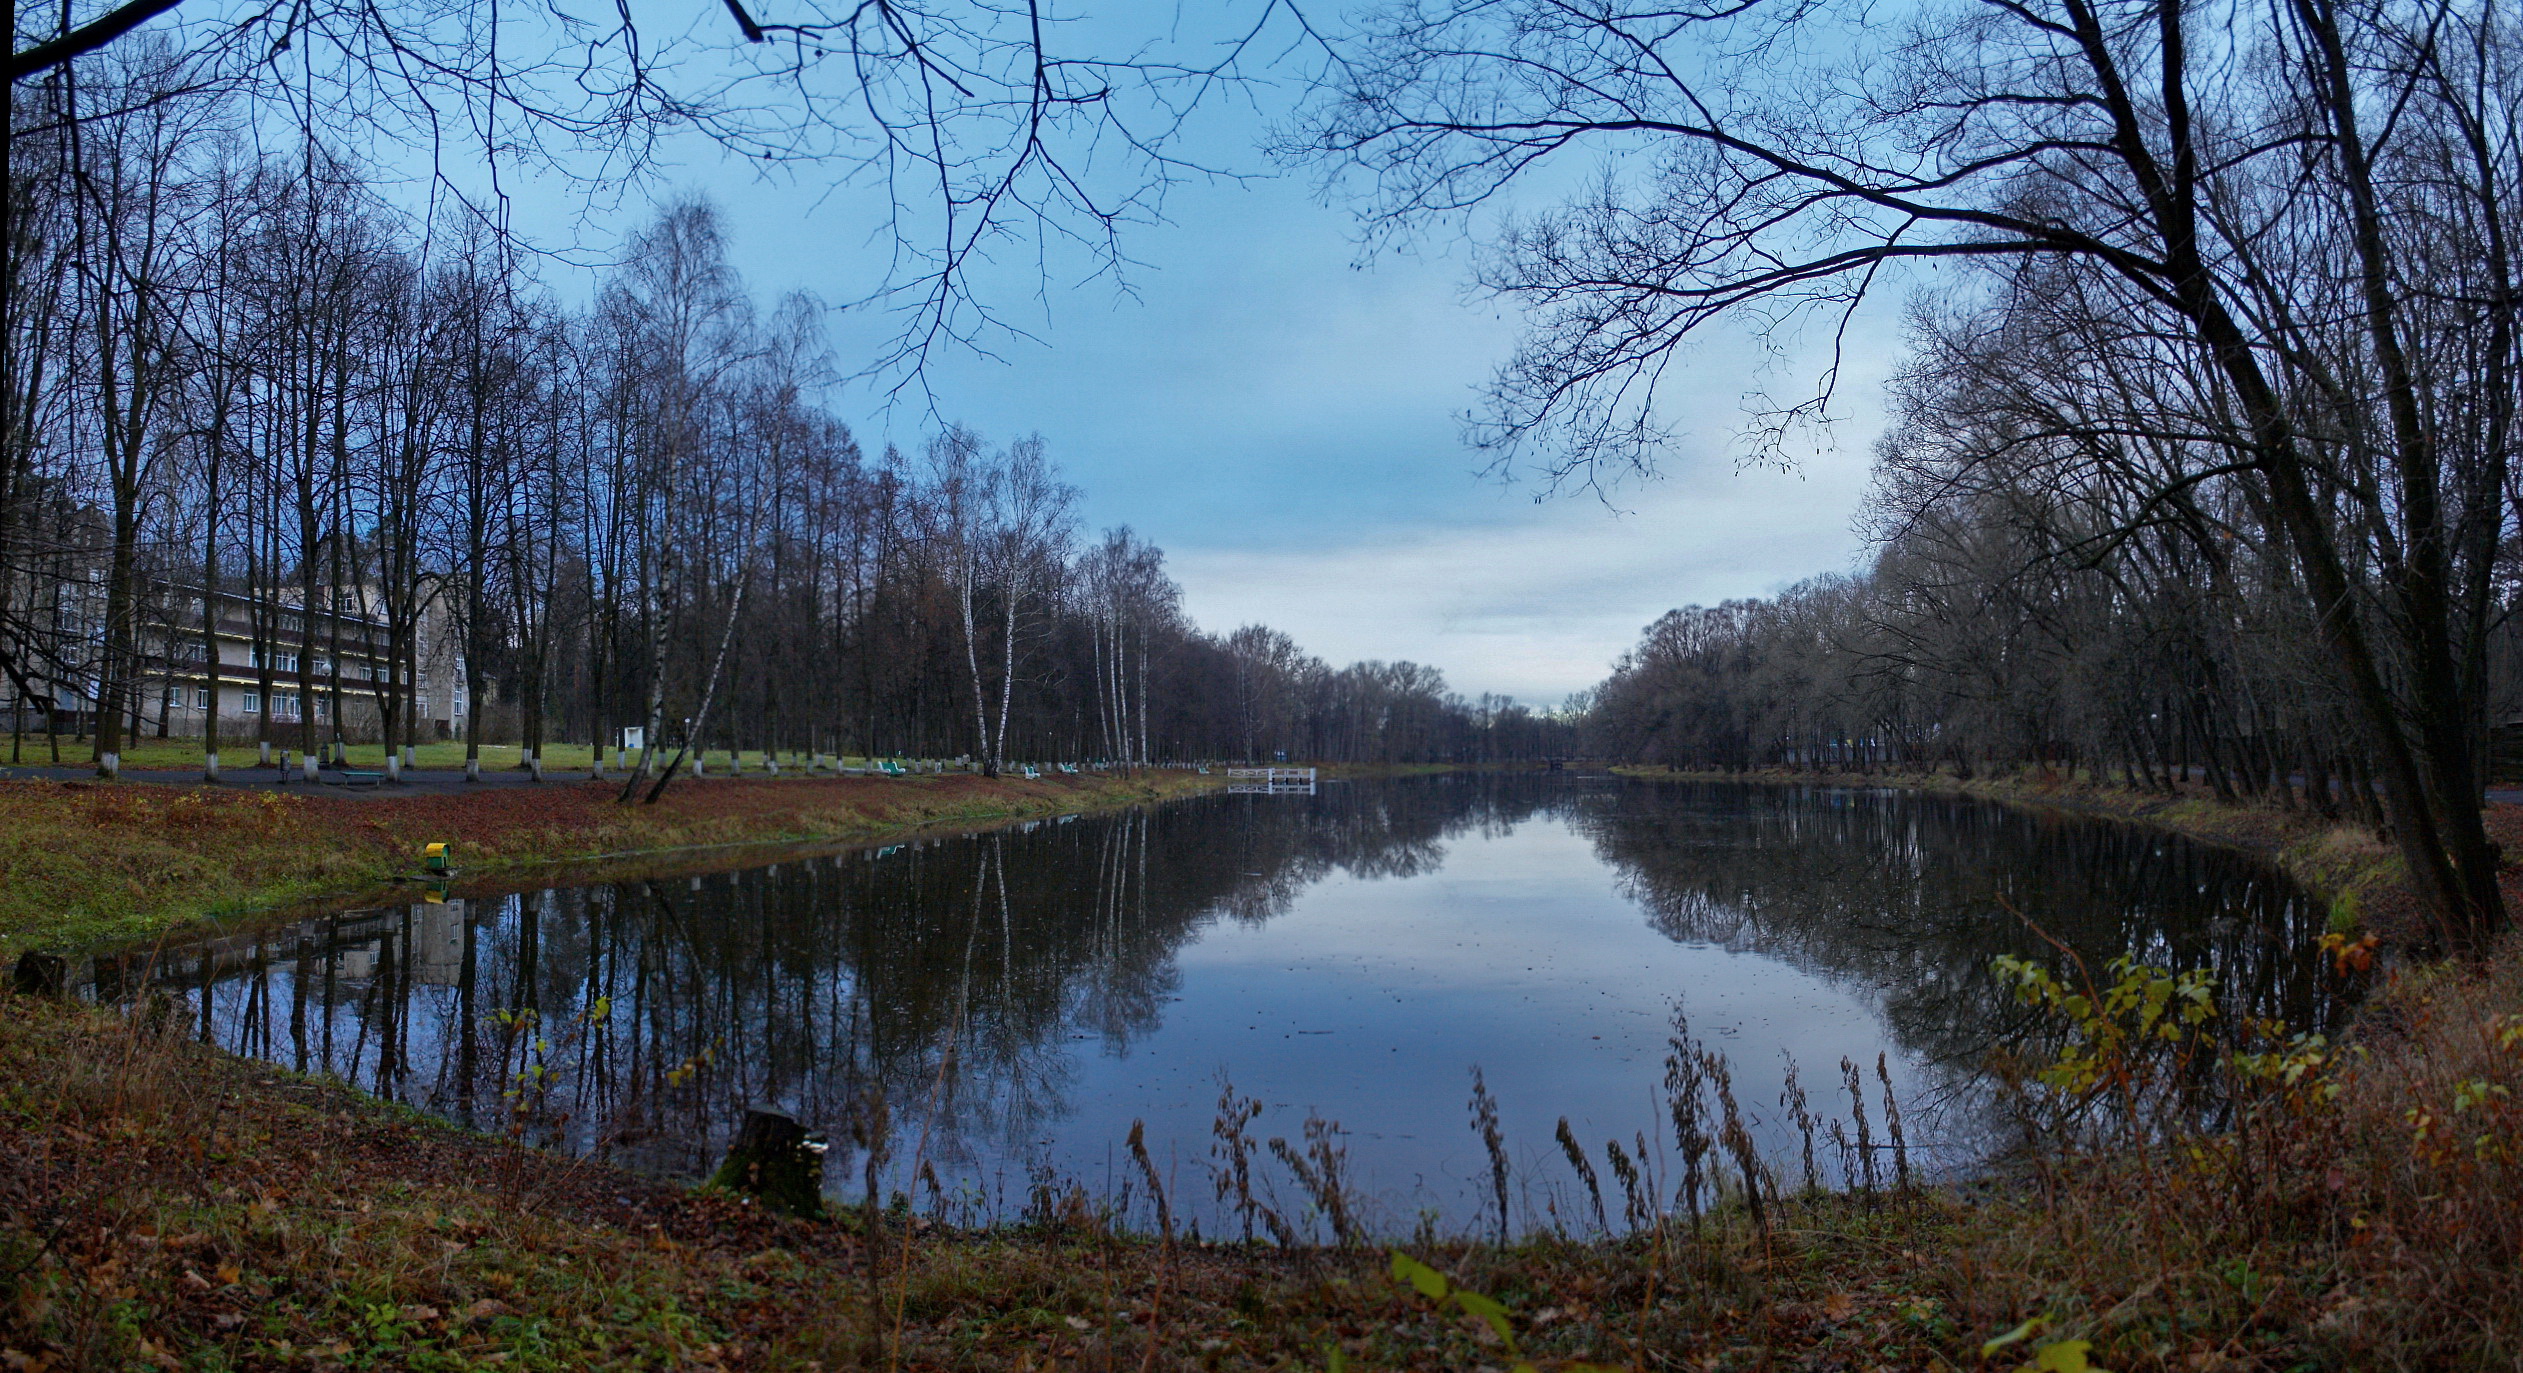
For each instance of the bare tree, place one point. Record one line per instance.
(977, 127)
(2221, 173)
(137, 196)
(1028, 553)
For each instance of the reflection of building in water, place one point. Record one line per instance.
(438, 943)
(1270, 788)
(356, 942)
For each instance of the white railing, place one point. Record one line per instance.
(1270, 781)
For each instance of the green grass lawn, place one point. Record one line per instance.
(34, 750)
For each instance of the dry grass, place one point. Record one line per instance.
(2360, 1216)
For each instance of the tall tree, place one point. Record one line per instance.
(2226, 174)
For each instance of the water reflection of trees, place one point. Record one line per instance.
(951, 975)
(958, 976)
(1914, 896)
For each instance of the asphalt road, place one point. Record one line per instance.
(416, 782)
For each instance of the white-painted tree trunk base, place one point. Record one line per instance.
(210, 767)
(393, 767)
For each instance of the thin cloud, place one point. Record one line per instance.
(1539, 607)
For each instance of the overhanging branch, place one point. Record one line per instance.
(86, 38)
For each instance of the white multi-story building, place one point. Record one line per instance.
(273, 664)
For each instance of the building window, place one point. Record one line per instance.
(253, 702)
(201, 698)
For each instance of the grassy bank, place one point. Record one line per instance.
(87, 863)
(1366, 771)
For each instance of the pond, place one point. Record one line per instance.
(1019, 997)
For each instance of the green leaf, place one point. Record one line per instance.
(2017, 1335)
(1429, 1281)
(1487, 1308)
(1490, 1311)
(2063, 1356)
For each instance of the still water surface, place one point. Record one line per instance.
(1021, 996)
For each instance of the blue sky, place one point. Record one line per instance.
(1284, 420)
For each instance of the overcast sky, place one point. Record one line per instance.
(1285, 421)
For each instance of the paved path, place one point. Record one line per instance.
(416, 782)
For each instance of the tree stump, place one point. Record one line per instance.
(160, 1015)
(40, 974)
(777, 1161)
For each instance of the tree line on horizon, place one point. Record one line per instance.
(233, 368)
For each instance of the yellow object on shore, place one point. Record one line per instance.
(434, 857)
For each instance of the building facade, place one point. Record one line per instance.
(322, 664)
